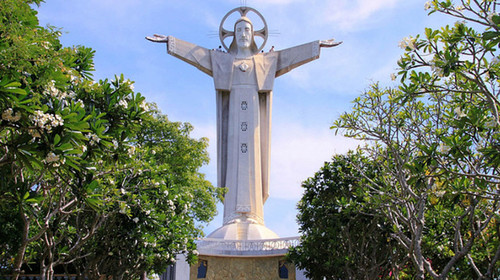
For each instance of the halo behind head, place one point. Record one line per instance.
(243, 11)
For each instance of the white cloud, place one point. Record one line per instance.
(297, 152)
(348, 14)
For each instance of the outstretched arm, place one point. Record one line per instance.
(296, 56)
(158, 38)
(193, 54)
(329, 43)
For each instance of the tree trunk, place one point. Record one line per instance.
(18, 260)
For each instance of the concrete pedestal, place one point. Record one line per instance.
(243, 259)
(255, 268)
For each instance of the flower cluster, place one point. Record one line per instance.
(131, 151)
(459, 113)
(53, 159)
(56, 93)
(408, 42)
(443, 148)
(123, 103)
(46, 121)
(491, 123)
(144, 106)
(427, 5)
(490, 18)
(130, 84)
(93, 138)
(8, 115)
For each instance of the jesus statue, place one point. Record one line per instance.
(243, 79)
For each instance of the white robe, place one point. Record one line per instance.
(244, 99)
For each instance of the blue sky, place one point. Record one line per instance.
(306, 101)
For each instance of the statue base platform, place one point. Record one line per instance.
(244, 259)
(215, 268)
(243, 231)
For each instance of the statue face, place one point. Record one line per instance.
(243, 33)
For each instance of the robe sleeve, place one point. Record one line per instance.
(193, 54)
(296, 56)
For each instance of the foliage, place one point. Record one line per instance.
(436, 139)
(80, 159)
(342, 235)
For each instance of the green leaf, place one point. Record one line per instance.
(57, 139)
(489, 35)
(495, 19)
(65, 147)
(36, 199)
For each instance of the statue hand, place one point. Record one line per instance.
(329, 43)
(158, 38)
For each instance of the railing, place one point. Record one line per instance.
(264, 247)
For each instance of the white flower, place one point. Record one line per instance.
(115, 143)
(165, 192)
(439, 193)
(490, 17)
(408, 42)
(93, 138)
(195, 252)
(122, 191)
(110, 253)
(46, 45)
(80, 103)
(437, 70)
(490, 124)
(427, 5)
(154, 277)
(144, 105)
(136, 220)
(7, 115)
(46, 121)
(148, 212)
(444, 148)
(51, 157)
(123, 103)
(153, 152)
(34, 133)
(459, 112)
(131, 151)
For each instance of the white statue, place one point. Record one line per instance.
(243, 78)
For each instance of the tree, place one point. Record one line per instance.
(342, 235)
(76, 163)
(436, 139)
(161, 195)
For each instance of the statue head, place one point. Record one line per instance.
(243, 36)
